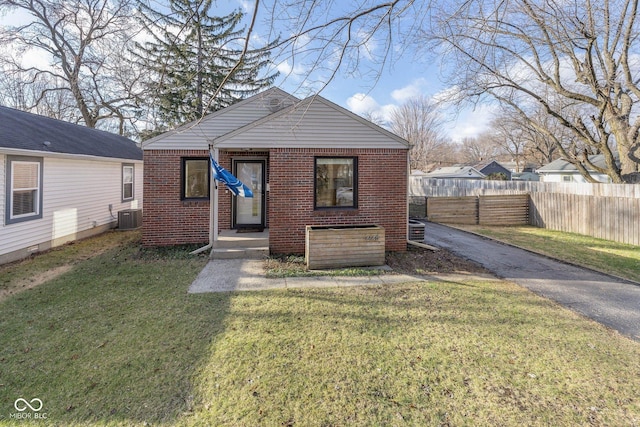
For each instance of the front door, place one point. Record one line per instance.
(250, 212)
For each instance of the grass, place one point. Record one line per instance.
(18, 275)
(117, 341)
(619, 259)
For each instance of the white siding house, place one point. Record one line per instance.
(455, 172)
(561, 170)
(61, 182)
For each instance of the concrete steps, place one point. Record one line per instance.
(234, 245)
(239, 253)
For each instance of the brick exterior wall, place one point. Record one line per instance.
(382, 196)
(167, 219)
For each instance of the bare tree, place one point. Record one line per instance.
(576, 60)
(507, 135)
(480, 149)
(85, 42)
(539, 148)
(359, 38)
(419, 122)
(523, 142)
(19, 92)
(375, 117)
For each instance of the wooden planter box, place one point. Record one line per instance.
(344, 246)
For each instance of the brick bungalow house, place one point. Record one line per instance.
(309, 162)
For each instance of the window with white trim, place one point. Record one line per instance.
(127, 182)
(24, 189)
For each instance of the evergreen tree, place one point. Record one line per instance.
(192, 56)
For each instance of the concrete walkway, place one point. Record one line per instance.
(610, 301)
(226, 275)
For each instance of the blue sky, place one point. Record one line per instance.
(398, 81)
(405, 76)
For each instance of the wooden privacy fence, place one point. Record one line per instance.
(610, 218)
(452, 210)
(503, 210)
(484, 210)
(606, 211)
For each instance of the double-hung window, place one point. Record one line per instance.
(336, 182)
(24, 189)
(127, 182)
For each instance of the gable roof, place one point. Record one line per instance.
(563, 166)
(293, 123)
(199, 133)
(20, 130)
(493, 163)
(315, 121)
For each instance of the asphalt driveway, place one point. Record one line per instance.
(612, 302)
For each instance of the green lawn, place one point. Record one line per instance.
(610, 257)
(116, 340)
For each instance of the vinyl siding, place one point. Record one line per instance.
(3, 201)
(312, 123)
(316, 123)
(76, 198)
(198, 135)
(575, 177)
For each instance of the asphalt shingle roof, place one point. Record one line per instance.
(25, 131)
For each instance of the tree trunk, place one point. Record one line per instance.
(199, 96)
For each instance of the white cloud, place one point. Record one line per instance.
(468, 123)
(301, 42)
(246, 5)
(37, 59)
(257, 40)
(368, 44)
(448, 95)
(287, 70)
(361, 104)
(412, 90)
(471, 123)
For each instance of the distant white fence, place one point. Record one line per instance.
(433, 187)
(607, 211)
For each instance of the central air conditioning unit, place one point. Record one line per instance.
(416, 231)
(129, 219)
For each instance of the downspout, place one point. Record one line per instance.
(213, 209)
(213, 219)
(408, 172)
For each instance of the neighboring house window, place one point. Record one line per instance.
(24, 189)
(127, 182)
(567, 178)
(195, 178)
(336, 182)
